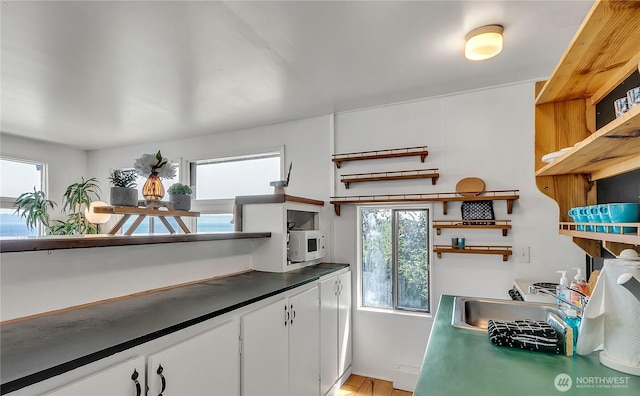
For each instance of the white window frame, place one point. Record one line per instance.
(222, 206)
(9, 202)
(359, 270)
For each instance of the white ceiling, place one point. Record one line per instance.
(106, 73)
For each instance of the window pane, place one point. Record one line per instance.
(215, 223)
(143, 228)
(13, 225)
(376, 258)
(19, 177)
(412, 256)
(227, 179)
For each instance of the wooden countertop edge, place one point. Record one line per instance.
(28, 244)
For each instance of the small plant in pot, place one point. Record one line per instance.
(180, 196)
(123, 192)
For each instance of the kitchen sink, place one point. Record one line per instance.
(474, 313)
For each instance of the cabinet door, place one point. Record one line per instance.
(206, 364)
(265, 350)
(328, 334)
(344, 322)
(117, 380)
(304, 344)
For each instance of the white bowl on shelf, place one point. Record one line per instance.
(548, 158)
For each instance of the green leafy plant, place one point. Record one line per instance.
(75, 199)
(75, 224)
(33, 208)
(123, 178)
(179, 189)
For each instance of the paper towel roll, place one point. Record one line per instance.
(611, 320)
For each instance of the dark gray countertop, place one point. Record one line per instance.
(36, 349)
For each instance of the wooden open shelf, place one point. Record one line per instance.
(503, 225)
(497, 195)
(600, 55)
(571, 229)
(420, 151)
(504, 251)
(613, 149)
(392, 175)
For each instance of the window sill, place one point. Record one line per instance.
(27, 244)
(427, 315)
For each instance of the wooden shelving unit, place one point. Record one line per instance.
(601, 56)
(155, 209)
(419, 151)
(611, 150)
(507, 195)
(571, 229)
(504, 251)
(504, 225)
(392, 175)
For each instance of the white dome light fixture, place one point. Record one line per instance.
(484, 42)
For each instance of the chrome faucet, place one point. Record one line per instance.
(583, 297)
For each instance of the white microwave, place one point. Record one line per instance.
(305, 245)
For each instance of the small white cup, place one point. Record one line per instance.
(633, 97)
(621, 106)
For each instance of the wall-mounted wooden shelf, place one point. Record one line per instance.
(504, 251)
(600, 57)
(497, 195)
(608, 235)
(601, 47)
(392, 175)
(420, 151)
(503, 225)
(611, 150)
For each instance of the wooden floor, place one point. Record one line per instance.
(357, 385)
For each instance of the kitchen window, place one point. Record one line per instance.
(17, 177)
(216, 183)
(394, 257)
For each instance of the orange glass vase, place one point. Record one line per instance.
(153, 190)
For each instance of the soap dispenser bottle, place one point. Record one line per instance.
(580, 284)
(572, 319)
(562, 289)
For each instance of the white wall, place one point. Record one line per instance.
(65, 165)
(44, 281)
(487, 134)
(38, 282)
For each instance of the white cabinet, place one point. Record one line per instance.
(335, 333)
(123, 379)
(271, 254)
(280, 347)
(206, 364)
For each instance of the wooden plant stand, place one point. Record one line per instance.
(159, 209)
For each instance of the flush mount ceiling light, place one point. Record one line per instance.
(484, 42)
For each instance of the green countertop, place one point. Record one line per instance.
(464, 362)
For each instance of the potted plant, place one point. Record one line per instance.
(75, 199)
(123, 192)
(33, 207)
(180, 196)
